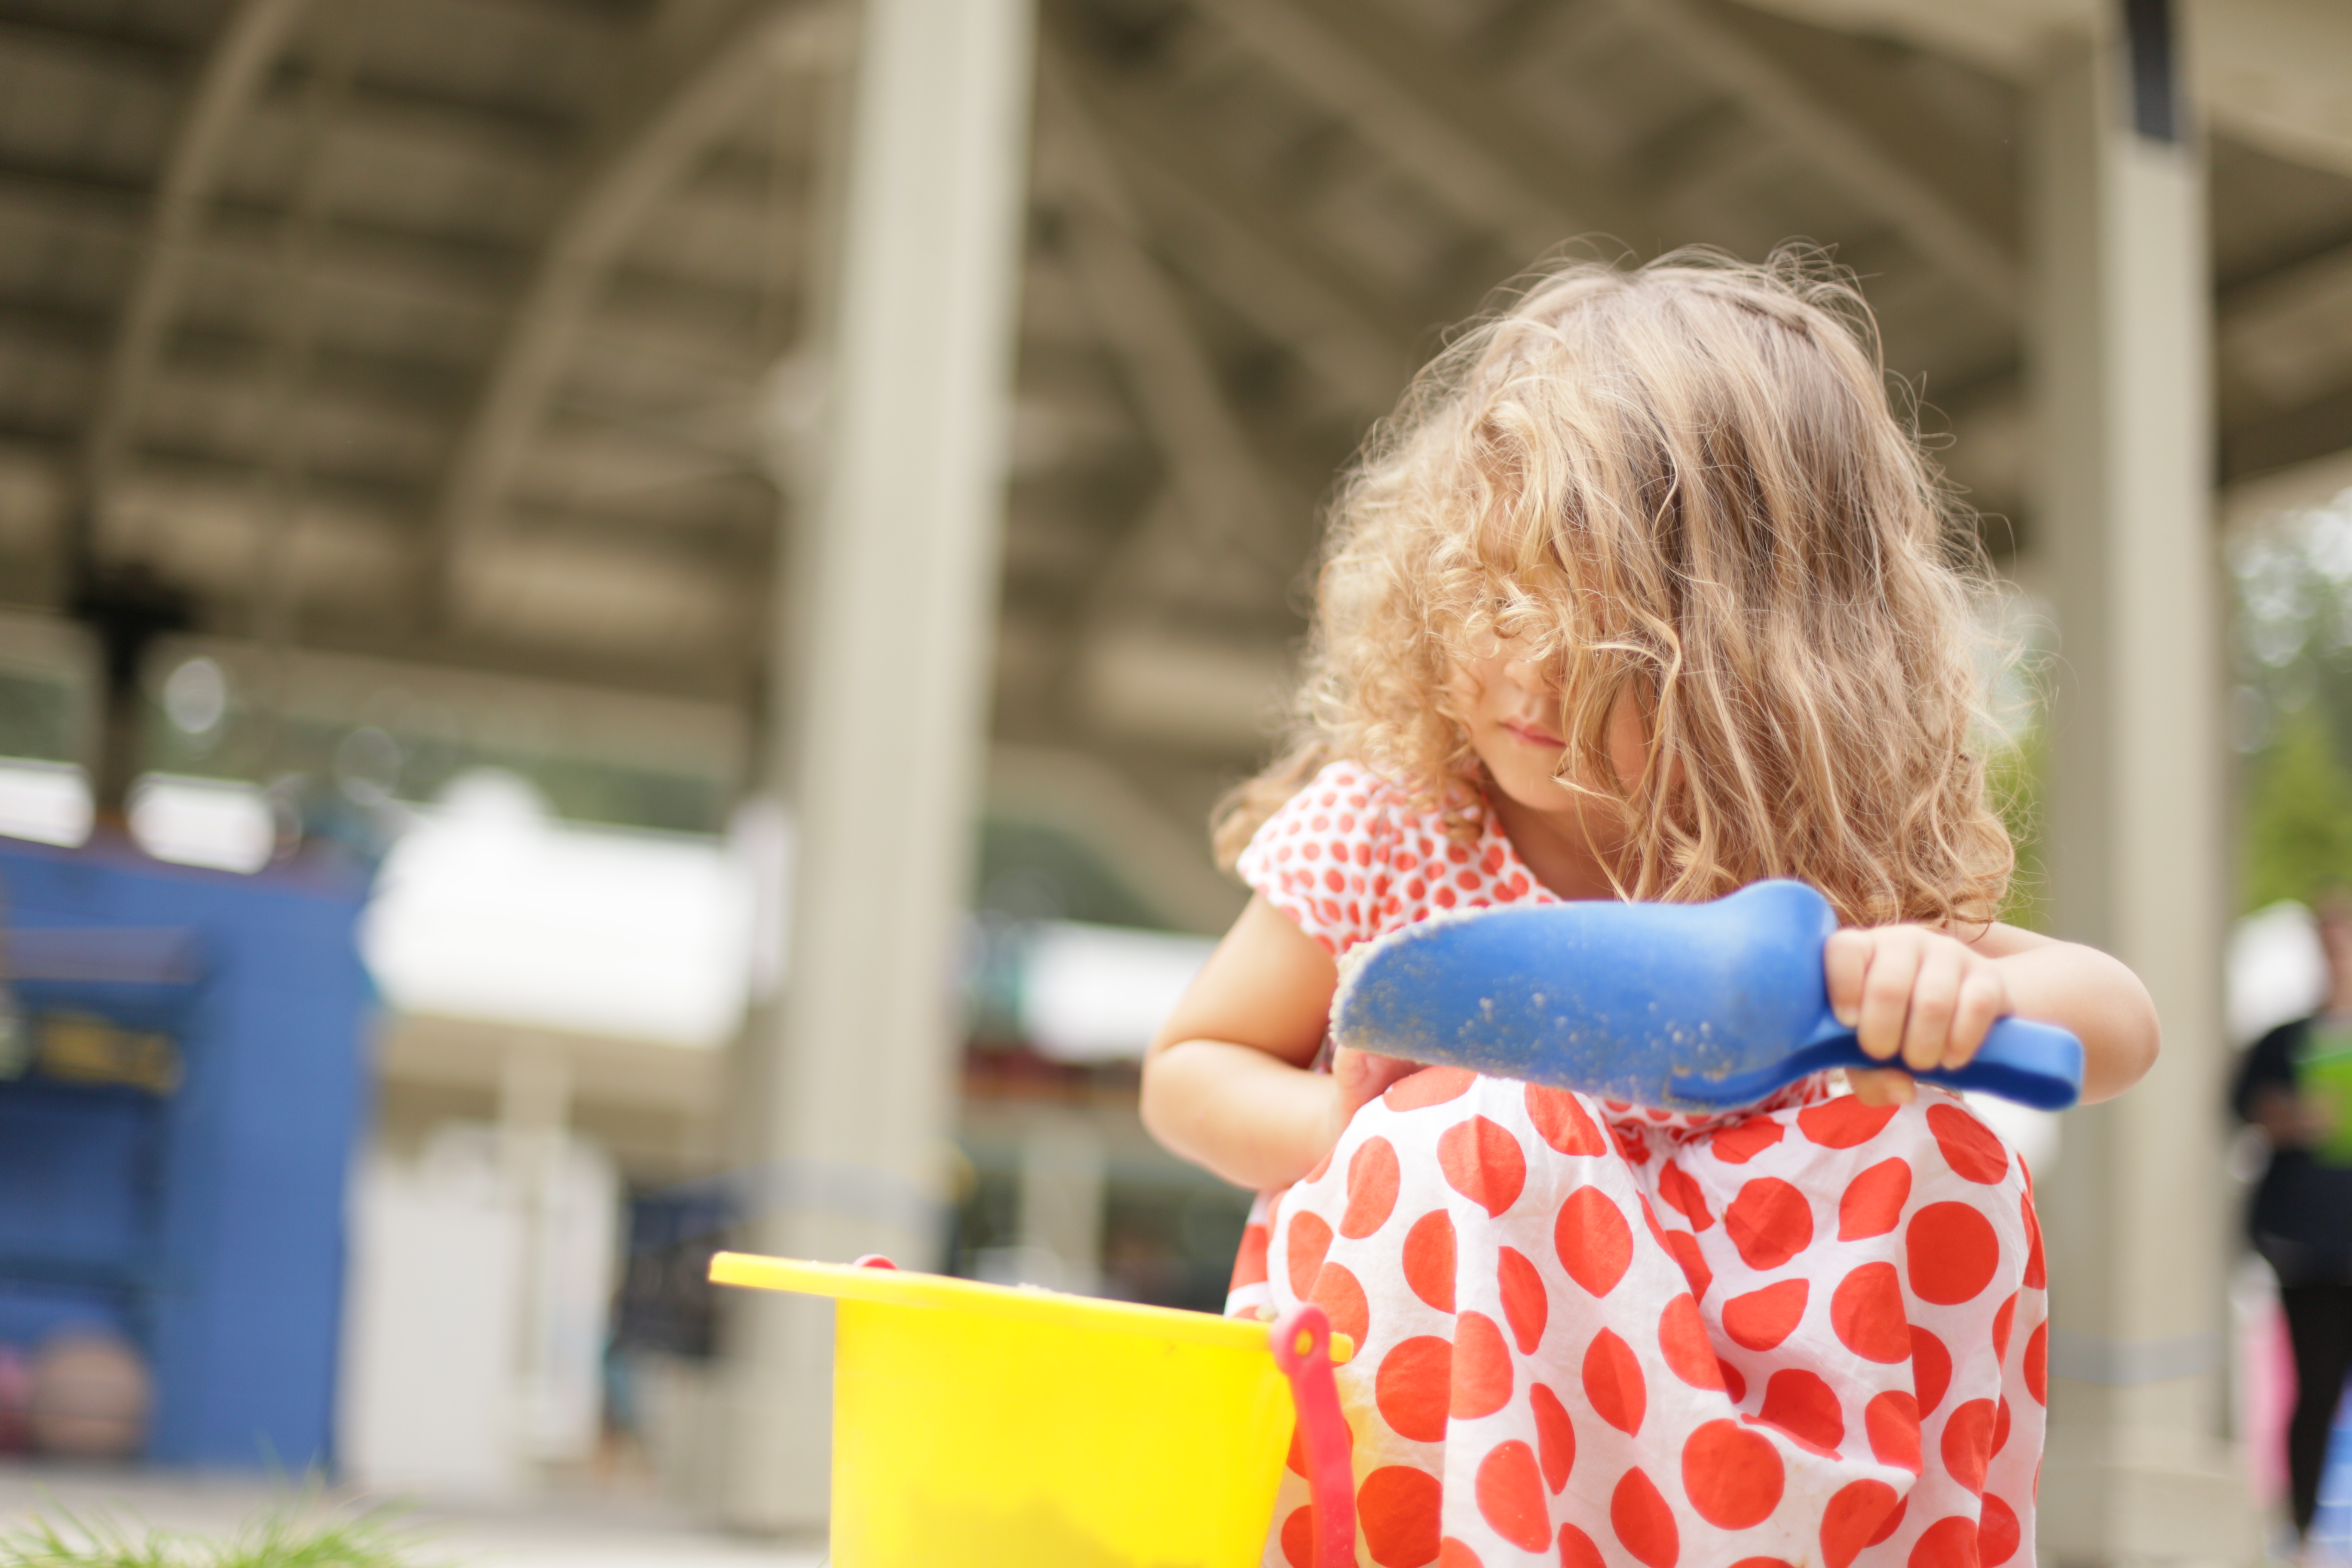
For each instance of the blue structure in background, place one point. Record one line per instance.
(2331, 1527)
(199, 1212)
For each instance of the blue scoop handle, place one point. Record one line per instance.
(2039, 1065)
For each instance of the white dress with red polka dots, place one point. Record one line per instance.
(1806, 1332)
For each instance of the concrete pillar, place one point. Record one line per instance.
(888, 613)
(2138, 1468)
(1060, 1224)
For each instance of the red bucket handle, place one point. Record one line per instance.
(1302, 1349)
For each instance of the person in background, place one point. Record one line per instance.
(2301, 1221)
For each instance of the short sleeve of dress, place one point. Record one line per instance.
(1324, 859)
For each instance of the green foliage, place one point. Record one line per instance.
(280, 1538)
(2013, 775)
(2298, 814)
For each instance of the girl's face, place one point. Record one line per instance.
(1512, 710)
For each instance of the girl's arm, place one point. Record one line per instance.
(1225, 1084)
(1921, 999)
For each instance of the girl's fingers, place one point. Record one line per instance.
(1363, 1076)
(1846, 958)
(1886, 992)
(1934, 998)
(1881, 1085)
(1983, 1000)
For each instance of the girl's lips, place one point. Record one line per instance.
(1531, 737)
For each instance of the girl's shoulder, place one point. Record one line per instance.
(1351, 857)
(1345, 804)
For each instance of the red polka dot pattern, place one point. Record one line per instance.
(1577, 1550)
(1874, 1201)
(1613, 1384)
(1555, 1437)
(1430, 1085)
(1891, 1421)
(1414, 1389)
(1681, 1339)
(1682, 1194)
(1511, 1497)
(1931, 1369)
(1483, 1162)
(1341, 1296)
(1249, 1264)
(1733, 1476)
(1998, 1533)
(1560, 1121)
(1761, 1320)
(1806, 1408)
(1743, 1140)
(1951, 1253)
(1525, 1303)
(1594, 1243)
(1643, 1521)
(1968, 1443)
(1852, 1521)
(1693, 1258)
(1428, 1259)
(1373, 1175)
(1866, 1315)
(1299, 1538)
(1633, 1336)
(1310, 1239)
(1397, 1510)
(1650, 1220)
(1345, 871)
(1844, 1122)
(1970, 1147)
(1769, 1222)
(1947, 1543)
(1482, 1367)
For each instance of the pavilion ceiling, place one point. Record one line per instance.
(479, 332)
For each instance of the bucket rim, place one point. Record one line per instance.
(905, 1288)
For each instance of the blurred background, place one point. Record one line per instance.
(619, 620)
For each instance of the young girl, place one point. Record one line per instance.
(1646, 593)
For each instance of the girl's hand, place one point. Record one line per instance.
(1357, 1078)
(1916, 998)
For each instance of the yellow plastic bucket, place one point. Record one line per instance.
(978, 1426)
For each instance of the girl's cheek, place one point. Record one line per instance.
(1468, 686)
(1629, 742)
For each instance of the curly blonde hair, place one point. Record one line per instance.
(1683, 481)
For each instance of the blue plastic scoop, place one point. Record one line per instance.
(1686, 1006)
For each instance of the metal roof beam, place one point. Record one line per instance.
(234, 70)
(1404, 91)
(1211, 466)
(673, 113)
(110, 50)
(1943, 234)
(402, 112)
(1261, 264)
